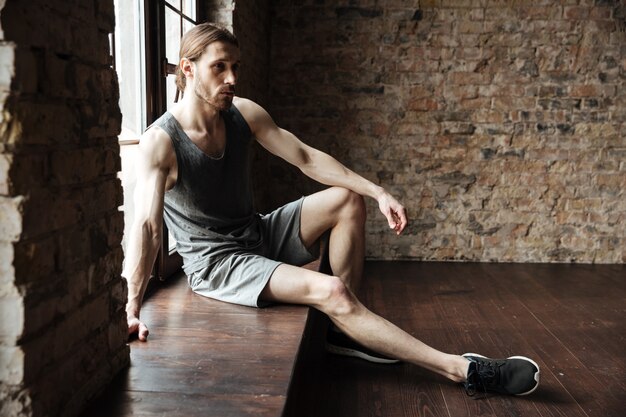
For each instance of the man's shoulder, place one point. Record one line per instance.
(253, 113)
(242, 101)
(157, 143)
(155, 136)
(246, 107)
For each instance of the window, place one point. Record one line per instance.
(180, 16)
(129, 52)
(145, 47)
(128, 47)
(166, 22)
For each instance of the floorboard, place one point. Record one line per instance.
(570, 318)
(206, 358)
(213, 359)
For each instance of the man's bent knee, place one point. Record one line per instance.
(336, 299)
(325, 210)
(352, 205)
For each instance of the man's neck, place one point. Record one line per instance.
(196, 114)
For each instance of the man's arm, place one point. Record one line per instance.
(152, 165)
(316, 164)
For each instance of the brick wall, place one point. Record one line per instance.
(251, 25)
(500, 125)
(219, 11)
(63, 327)
(250, 22)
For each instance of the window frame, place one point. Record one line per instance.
(157, 70)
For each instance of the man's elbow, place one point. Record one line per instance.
(306, 161)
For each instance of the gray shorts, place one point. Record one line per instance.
(240, 276)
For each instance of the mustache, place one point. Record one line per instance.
(230, 90)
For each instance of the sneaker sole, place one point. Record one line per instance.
(356, 354)
(536, 377)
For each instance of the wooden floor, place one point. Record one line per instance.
(206, 358)
(570, 318)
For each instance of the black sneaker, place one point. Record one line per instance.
(516, 375)
(340, 344)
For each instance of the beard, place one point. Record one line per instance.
(218, 101)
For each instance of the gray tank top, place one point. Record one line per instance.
(210, 209)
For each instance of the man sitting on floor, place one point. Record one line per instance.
(193, 172)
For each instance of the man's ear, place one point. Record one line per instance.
(187, 67)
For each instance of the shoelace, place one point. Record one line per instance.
(481, 376)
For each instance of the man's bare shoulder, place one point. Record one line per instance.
(156, 145)
(245, 104)
(155, 136)
(255, 115)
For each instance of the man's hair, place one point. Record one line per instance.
(194, 43)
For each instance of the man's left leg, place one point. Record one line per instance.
(343, 213)
(516, 375)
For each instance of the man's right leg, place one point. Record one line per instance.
(290, 284)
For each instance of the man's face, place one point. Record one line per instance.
(215, 75)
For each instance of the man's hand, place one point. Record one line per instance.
(393, 211)
(137, 326)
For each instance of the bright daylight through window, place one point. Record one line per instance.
(145, 47)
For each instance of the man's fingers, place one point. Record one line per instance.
(392, 219)
(143, 332)
(132, 328)
(403, 220)
(393, 222)
(400, 221)
(138, 327)
(395, 214)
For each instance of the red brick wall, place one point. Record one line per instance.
(500, 125)
(63, 326)
(250, 22)
(251, 25)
